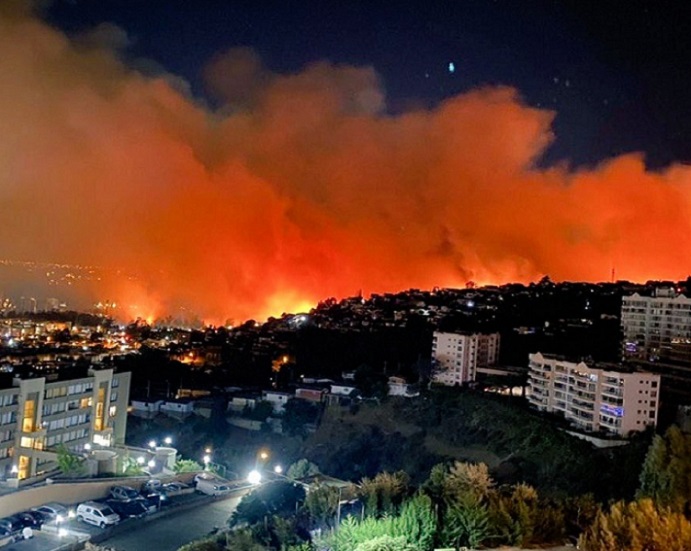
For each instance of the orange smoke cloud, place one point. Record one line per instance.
(300, 186)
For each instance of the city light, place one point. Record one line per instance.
(278, 469)
(255, 477)
(168, 440)
(151, 464)
(152, 443)
(141, 460)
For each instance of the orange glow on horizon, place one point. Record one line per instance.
(302, 187)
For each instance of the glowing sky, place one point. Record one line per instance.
(302, 185)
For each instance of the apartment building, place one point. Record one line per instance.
(458, 355)
(37, 415)
(657, 328)
(656, 333)
(599, 398)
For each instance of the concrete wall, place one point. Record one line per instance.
(67, 493)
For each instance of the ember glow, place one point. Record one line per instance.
(300, 186)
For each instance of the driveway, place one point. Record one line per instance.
(178, 528)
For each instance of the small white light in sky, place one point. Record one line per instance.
(452, 67)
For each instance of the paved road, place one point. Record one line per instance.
(169, 533)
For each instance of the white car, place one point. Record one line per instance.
(212, 487)
(98, 514)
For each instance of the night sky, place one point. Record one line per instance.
(617, 72)
(234, 160)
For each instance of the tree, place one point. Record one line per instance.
(386, 543)
(187, 466)
(385, 492)
(260, 412)
(69, 463)
(638, 526)
(302, 468)
(274, 498)
(666, 474)
(322, 503)
(459, 482)
(466, 524)
(297, 415)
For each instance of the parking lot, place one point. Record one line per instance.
(177, 528)
(159, 530)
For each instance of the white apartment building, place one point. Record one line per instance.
(458, 355)
(37, 415)
(594, 399)
(658, 327)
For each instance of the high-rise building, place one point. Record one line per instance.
(656, 333)
(457, 356)
(600, 398)
(37, 416)
(656, 328)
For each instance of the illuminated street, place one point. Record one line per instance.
(169, 533)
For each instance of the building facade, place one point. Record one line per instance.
(594, 398)
(37, 416)
(458, 355)
(656, 333)
(657, 328)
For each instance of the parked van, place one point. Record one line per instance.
(212, 487)
(98, 514)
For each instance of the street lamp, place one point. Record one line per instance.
(255, 477)
(168, 440)
(263, 455)
(152, 443)
(278, 469)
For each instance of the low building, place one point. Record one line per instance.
(399, 387)
(278, 400)
(310, 394)
(38, 416)
(181, 406)
(343, 390)
(146, 406)
(599, 398)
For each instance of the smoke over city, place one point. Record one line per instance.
(297, 187)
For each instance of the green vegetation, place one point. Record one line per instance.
(69, 463)
(186, 466)
(638, 526)
(666, 475)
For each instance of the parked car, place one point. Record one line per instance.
(176, 489)
(98, 514)
(11, 525)
(32, 519)
(123, 492)
(212, 487)
(53, 511)
(152, 484)
(203, 476)
(154, 500)
(133, 508)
